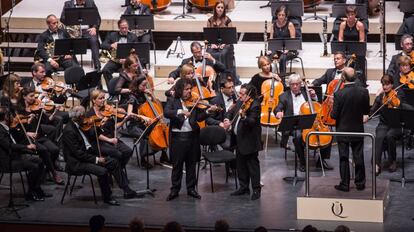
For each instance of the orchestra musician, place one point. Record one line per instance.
(10, 95)
(283, 28)
(88, 31)
(184, 143)
(351, 29)
(332, 73)
(383, 132)
(290, 103)
(187, 71)
(138, 8)
(31, 130)
(196, 60)
(109, 145)
(350, 104)
(129, 73)
(110, 44)
(222, 52)
(247, 134)
(264, 63)
(394, 68)
(21, 158)
(45, 46)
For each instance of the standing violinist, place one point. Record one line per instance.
(197, 60)
(392, 99)
(109, 145)
(184, 142)
(394, 67)
(111, 44)
(31, 130)
(244, 119)
(290, 103)
(350, 105)
(266, 73)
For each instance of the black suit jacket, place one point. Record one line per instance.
(46, 38)
(114, 37)
(286, 103)
(217, 117)
(27, 82)
(6, 143)
(218, 67)
(249, 130)
(394, 70)
(350, 104)
(144, 10)
(176, 120)
(326, 78)
(88, 3)
(74, 149)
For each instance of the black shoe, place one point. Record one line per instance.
(240, 192)
(172, 196)
(112, 201)
(129, 194)
(342, 188)
(42, 194)
(34, 197)
(255, 195)
(193, 193)
(360, 187)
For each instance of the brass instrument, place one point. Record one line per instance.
(106, 56)
(74, 31)
(50, 50)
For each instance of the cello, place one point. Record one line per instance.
(157, 5)
(204, 4)
(332, 88)
(311, 107)
(204, 71)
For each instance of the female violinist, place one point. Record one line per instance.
(10, 95)
(388, 98)
(104, 136)
(129, 73)
(406, 75)
(222, 52)
(283, 28)
(27, 106)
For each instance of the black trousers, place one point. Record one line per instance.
(109, 68)
(184, 148)
(121, 152)
(94, 45)
(357, 147)
(34, 167)
(390, 135)
(248, 170)
(63, 65)
(50, 146)
(300, 148)
(135, 131)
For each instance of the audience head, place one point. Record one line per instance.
(349, 74)
(196, 50)
(138, 85)
(219, 10)
(351, 12)
(26, 97)
(309, 228)
(183, 88)
(406, 43)
(131, 63)
(342, 228)
(387, 80)
(172, 227)
(221, 226)
(260, 229)
(98, 98)
(96, 223)
(263, 62)
(404, 62)
(136, 225)
(52, 22)
(3, 114)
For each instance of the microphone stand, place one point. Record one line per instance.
(11, 206)
(184, 15)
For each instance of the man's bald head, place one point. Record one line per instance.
(349, 74)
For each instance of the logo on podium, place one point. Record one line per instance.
(337, 209)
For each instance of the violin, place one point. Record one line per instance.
(92, 121)
(195, 101)
(246, 106)
(408, 79)
(110, 111)
(60, 88)
(36, 105)
(312, 107)
(24, 119)
(47, 84)
(391, 99)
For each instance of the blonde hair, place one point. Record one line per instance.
(262, 60)
(185, 69)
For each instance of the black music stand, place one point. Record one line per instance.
(399, 118)
(348, 47)
(314, 17)
(292, 124)
(142, 49)
(88, 83)
(81, 16)
(72, 47)
(284, 44)
(142, 22)
(220, 35)
(398, 41)
(184, 15)
(406, 6)
(145, 137)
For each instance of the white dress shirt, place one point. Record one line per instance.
(297, 101)
(186, 127)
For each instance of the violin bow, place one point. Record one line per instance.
(384, 104)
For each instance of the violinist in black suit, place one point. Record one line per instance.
(350, 105)
(247, 131)
(110, 44)
(225, 98)
(289, 105)
(91, 32)
(138, 8)
(394, 68)
(184, 142)
(45, 44)
(196, 60)
(21, 159)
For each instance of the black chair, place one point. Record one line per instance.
(15, 170)
(76, 174)
(111, 88)
(212, 136)
(72, 77)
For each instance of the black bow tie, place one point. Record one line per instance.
(122, 36)
(198, 61)
(229, 99)
(38, 83)
(338, 72)
(298, 94)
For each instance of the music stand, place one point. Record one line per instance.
(397, 41)
(292, 124)
(184, 15)
(71, 47)
(220, 35)
(144, 137)
(406, 6)
(142, 22)
(142, 49)
(315, 17)
(284, 44)
(348, 47)
(399, 118)
(81, 16)
(89, 82)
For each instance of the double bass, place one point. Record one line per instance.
(311, 107)
(157, 5)
(332, 88)
(204, 4)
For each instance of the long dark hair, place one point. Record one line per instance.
(134, 86)
(250, 90)
(215, 16)
(180, 85)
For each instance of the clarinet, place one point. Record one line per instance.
(265, 38)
